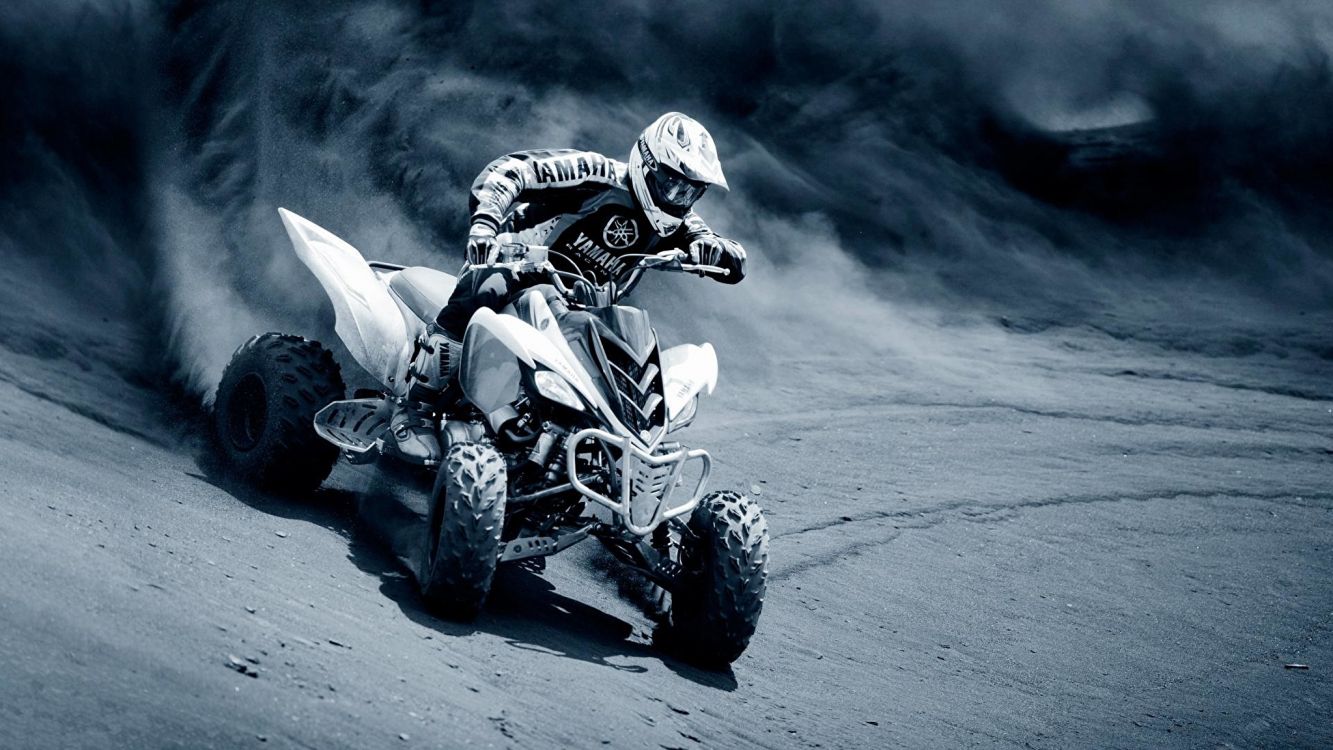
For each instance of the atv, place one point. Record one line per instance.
(564, 430)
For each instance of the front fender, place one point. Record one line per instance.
(688, 369)
(527, 344)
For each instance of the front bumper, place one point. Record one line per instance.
(645, 482)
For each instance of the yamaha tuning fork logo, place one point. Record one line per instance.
(620, 232)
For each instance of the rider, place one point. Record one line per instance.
(590, 210)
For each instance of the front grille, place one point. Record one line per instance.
(637, 381)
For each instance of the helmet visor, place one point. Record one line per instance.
(674, 190)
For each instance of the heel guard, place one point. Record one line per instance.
(356, 426)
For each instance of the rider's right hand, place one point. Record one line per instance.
(716, 251)
(482, 249)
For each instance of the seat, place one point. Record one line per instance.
(423, 290)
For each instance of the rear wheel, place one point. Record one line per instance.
(263, 415)
(462, 546)
(724, 552)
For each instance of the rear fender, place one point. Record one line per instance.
(368, 320)
(688, 370)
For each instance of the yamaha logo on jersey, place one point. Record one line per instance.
(568, 169)
(620, 232)
(589, 256)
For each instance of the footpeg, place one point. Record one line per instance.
(356, 426)
(540, 546)
(528, 546)
(667, 569)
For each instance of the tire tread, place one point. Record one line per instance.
(467, 521)
(300, 377)
(717, 618)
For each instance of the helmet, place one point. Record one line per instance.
(672, 164)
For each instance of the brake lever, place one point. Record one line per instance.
(661, 260)
(703, 270)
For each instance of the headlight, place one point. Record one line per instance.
(554, 387)
(686, 415)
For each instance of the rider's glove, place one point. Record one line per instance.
(716, 251)
(482, 248)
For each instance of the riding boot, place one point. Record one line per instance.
(430, 372)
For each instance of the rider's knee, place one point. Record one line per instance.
(491, 287)
(477, 288)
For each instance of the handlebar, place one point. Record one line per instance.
(673, 260)
(525, 258)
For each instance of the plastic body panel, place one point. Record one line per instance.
(368, 319)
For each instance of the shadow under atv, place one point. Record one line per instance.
(383, 522)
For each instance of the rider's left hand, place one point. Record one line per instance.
(482, 248)
(716, 251)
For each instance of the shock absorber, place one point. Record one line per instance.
(552, 435)
(541, 448)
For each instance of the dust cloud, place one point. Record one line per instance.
(877, 152)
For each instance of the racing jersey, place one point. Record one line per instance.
(578, 203)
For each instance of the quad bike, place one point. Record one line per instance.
(560, 434)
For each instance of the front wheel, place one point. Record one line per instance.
(462, 545)
(264, 412)
(724, 552)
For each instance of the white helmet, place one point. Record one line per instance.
(670, 167)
